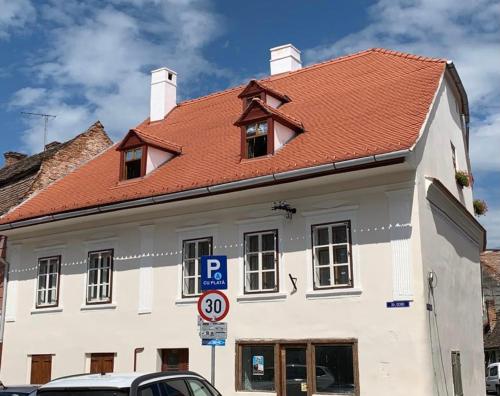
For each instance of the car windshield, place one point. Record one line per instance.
(16, 393)
(83, 392)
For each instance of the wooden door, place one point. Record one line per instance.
(41, 368)
(101, 363)
(175, 359)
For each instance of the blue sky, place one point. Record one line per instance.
(89, 60)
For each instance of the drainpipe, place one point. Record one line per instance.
(136, 351)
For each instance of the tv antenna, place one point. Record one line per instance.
(45, 122)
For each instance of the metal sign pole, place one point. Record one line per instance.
(213, 365)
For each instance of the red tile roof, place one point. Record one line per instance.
(279, 115)
(369, 103)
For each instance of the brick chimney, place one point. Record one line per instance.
(11, 157)
(491, 314)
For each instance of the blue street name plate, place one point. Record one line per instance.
(214, 273)
(398, 304)
(213, 342)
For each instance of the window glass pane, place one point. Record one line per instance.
(251, 129)
(133, 169)
(257, 368)
(41, 297)
(324, 276)
(253, 262)
(253, 243)
(94, 261)
(262, 128)
(198, 388)
(340, 254)
(322, 236)
(260, 146)
(341, 275)
(129, 155)
(190, 250)
(268, 280)
(43, 267)
(204, 248)
(336, 374)
(175, 388)
(52, 280)
(267, 261)
(138, 153)
(253, 281)
(149, 390)
(42, 282)
(189, 267)
(267, 242)
(190, 285)
(339, 234)
(323, 256)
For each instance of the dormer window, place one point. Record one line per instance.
(133, 163)
(256, 139)
(141, 153)
(256, 89)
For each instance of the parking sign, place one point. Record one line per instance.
(213, 272)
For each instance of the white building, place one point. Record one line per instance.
(103, 264)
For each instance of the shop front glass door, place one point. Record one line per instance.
(295, 371)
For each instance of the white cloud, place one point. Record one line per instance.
(14, 15)
(98, 61)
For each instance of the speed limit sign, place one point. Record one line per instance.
(213, 305)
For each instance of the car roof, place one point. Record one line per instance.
(112, 380)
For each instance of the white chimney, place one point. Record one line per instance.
(163, 93)
(285, 58)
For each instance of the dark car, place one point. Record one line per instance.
(18, 390)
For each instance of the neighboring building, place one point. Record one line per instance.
(22, 176)
(105, 263)
(490, 269)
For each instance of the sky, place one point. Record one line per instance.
(91, 60)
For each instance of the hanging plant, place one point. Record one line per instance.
(462, 178)
(480, 207)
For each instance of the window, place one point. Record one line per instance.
(41, 369)
(133, 163)
(257, 368)
(261, 261)
(47, 292)
(334, 369)
(296, 367)
(192, 251)
(454, 157)
(198, 388)
(176, 359)
(99, 276)
(256, 139)
(101, 363)
(175, 388)
(456, 368)
(493, 371)
(332, 255)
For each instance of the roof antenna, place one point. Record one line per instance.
(46, 121)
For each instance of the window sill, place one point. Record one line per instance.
(95, 307)
(41, 310)
(186, 301)
(261, 297)
(333, 293)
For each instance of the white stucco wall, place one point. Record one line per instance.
(153, 317)
(272, 101)
(156, 158)
(282, 135)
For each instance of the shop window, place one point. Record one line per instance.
(334, 369)
(257, 368)
(332, 255)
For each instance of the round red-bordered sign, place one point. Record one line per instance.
(213, 306)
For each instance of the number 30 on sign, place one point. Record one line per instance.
(213, 305)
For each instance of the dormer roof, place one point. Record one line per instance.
(255, 87)
(258, 108)
(136, 137)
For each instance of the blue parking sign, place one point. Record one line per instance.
(213, 272)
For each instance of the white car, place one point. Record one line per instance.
(492, 378)
(135, 384)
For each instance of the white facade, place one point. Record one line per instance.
(402, 227)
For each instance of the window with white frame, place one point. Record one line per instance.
(99, 276)
(47, 290)
(192, 251)
(332, 264)
(261, 261)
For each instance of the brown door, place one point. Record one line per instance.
(175, 359)
(101, 363)
(41, 368)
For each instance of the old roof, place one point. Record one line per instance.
(490, 263)
(279, 115)
(492, 339)
(153, 141)
(368, 103)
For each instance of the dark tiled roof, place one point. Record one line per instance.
(13, 194)
(490, 262)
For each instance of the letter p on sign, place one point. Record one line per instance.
(213, 273)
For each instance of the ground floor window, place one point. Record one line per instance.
(174, 359)
(298, 368)
(41, 369)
